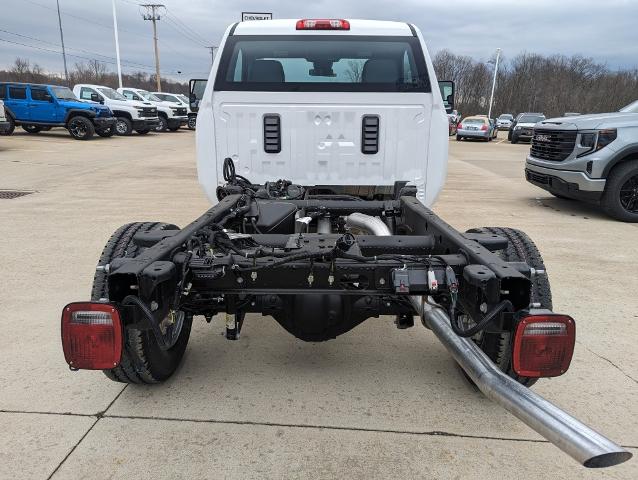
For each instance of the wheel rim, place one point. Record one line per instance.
(121, 127)
(161, 125)
(77, 129)
(629, 194)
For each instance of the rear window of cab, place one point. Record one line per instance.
(322, 63)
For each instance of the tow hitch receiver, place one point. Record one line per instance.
(91, 335)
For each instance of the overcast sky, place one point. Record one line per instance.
(605, 30)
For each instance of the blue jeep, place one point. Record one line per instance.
(39, 107)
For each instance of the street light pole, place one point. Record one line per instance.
(117, 46)
(498, 55)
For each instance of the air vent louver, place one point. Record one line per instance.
(272, 134)
(370, 134)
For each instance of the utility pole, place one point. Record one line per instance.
(117, 46)
(152, 14)
(212, 53)
(498, 55)
(66, 72)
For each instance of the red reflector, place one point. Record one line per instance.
(543, 345)
(323, 24)
(91, 335)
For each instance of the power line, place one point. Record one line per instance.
(68, 54)
(187, 27)
(128, 62)
(183, 33)
(102, 25)
(175, 26)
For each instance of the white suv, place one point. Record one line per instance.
(131, 115)
(171, 116)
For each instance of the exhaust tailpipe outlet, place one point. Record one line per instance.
(573, 437)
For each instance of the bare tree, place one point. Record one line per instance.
(530, 82)
(21, 69)
(355, 71)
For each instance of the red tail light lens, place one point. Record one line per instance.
(323, 24)
(484, 128)
(543, 345)
(91, 335)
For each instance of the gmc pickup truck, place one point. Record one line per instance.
(593, 158)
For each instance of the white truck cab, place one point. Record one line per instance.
(131, 115)
(353, 103)
(171, 116)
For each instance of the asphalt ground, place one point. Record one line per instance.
(375, 403)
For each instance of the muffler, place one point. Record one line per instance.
(573, 437)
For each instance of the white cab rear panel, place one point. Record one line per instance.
(321, 137)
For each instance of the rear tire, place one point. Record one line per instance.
(458, 138)
(123, 126)
(192, 122)
(521, 248)
(8, 130)
(514, 139)
(31, 128)
(143, 361)
(620, 199)
(80, 128)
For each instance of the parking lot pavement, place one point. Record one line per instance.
(374, 403)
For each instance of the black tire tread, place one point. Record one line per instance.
(520, 248)
(610, 201)
(134, 366)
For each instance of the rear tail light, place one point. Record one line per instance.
(484, 128)
(91, 335)
(543, 345)
(323, 24)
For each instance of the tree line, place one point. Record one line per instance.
(529, 82)
(92, 71)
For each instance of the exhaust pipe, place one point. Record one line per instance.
(573, 437)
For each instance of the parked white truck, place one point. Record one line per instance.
(182, 101)
(341, 128)
(130, 114)
(171, 116)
